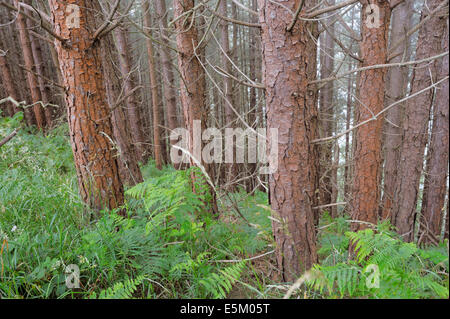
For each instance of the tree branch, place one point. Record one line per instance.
(9, 137)
(294, 20)
(42, 23)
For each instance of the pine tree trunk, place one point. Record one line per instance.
(254, 50)
(7, 80)
(415, 127)
(158, 122)
(40, 69)
(31, 73)
(348, 117)
(231, 168)
(87, 108)
(368, 149)
(193, 85)
(130, 172)
(16, 56)
(129, 84)
(326, 113)
(289, 63)
(167, 69)
(396, 87)
(435, 189)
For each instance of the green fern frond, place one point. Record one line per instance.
(220, 284)
(120, 290)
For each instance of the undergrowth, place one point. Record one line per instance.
(170, 245)
(382, 265)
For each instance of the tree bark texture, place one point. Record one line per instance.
(31, 73)
(367, 155)
(435, 188)
(415, 126)
(88, 112)
(396, 89)
(193, 83)
(289, 63)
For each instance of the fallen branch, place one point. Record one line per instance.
(9, 137)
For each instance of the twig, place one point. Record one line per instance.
(9, 137)
(243, 23)
(294, 20)
(326, 139)
(107, 21)
(44, 26)
(379, 66)
(330, 205)
(331, 8)
(247, 259)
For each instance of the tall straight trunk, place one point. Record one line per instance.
(367, 153)
(129, 170)
(31, 73)
(60, 111)
(193, 84)
(50, 58)
(16, 56)
(167, 69)
(396, 87)
(437, 165)
(334, 181)
(415, 127)
(88, 112)
(7, 79)
(226, 54)
(446, 231)
(164, 132)
(41, 73)
(136, 119)
(289, 63)
(254, 51)
(326, 112)
(158, 122)
(348, 117)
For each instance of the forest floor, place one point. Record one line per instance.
(163, 250)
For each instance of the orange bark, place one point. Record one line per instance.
(289, 63)
(367, 153)
(30, 66)
(87, 108)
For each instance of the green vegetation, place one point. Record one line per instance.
(162, 249)
(405, 271)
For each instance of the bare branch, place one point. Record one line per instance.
(246, 24)
(9, 137)
(378, 66)
(294, 20)
(42, 23)
(375, 117)
(331, 8)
